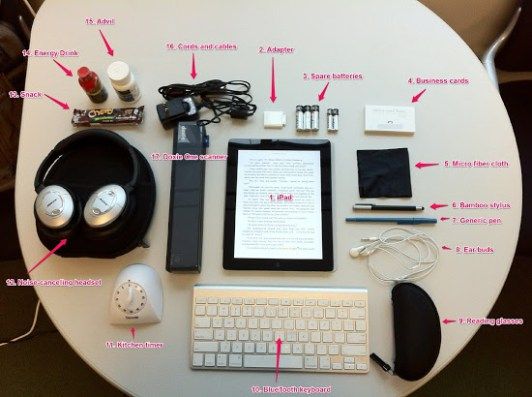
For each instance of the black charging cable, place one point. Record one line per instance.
(221, 97)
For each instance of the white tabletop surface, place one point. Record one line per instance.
(387, 42)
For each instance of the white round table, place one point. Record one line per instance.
(387, 43)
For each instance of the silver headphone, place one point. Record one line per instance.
(55, 207)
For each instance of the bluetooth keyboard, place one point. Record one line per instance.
(320, 329)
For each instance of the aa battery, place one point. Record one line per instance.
(307, 118)
(332, 120)
(315, 118)
(300, 118)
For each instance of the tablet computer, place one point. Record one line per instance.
(278, 207)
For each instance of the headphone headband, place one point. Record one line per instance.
(66, 144)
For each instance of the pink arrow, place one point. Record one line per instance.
(279, 342)
(193, 68)
(443, 219)
(435, 206)
(67, 71)
(447, 321)
(446, 248)
(132, 330)
(110, 51)
(272, 91)
(416, 97)
(421, 165)
(321, 96)
(49, 254)
(64, 105)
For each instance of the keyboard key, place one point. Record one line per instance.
(349, 366)
(197, 359)
(210, 360)
(334, 350)
(309, 348)
(360, 303)
(349, 325)
(212, 310)
(336, 303)
(336, 325)
(201, 299)
(235, 311)
(306, 312)
(299, 302)
(205, 347)
(342, 313)
(356, 338)
(259, 311)
(202, 322)
(261, 347)
(353, 350)
(300, 324)
(267, 336)
(236, 347)
(243, 334)
(310, 302)
(219, 334)
(217, 322)
(253, 323)
(225, 300)
(362, 367)
(261, 301)
(321, 349)
(279, 335)
(236, 301)
(347, 303)
(325, 362)
(247, 311)
(339, 337)
(337, 366)
(327, 337)
(199, 310)
(221, 360)
(291, 336)
(288, 324)
(271, 312)
(357, 313)
(264, 323)
(277, 324)
(330, 313)
(311, 362)
(269, 361)
(315, 337)
(318, 312)
(360, 325)
(231, 334)
(295, 312)
(285, 348)
(235, 360)
(283, 312)
(324, 325)
(273, 301)
(286, 302)
(225, 347)
(297, 348)
(229, 322)
(254, 335)
(323, 302)
(350, 360)
(212, 299)
(249, 347)
(203, 334)
(249, 301)
(272, 348)
(312, 324)
(303, 336)
(240, 323)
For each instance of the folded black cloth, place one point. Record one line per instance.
(384, 173)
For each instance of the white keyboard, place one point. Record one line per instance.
(321, 329)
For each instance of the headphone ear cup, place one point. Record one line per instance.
(105, 206)
(55, 207)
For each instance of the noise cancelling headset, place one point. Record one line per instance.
(78, 198)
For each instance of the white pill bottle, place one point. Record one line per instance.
(123, 81)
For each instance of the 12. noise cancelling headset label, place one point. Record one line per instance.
(61, 282)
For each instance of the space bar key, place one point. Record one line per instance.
(268, 361)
